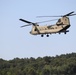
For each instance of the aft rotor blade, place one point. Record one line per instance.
(47, 21)
(48, 16)
(72, 14)
(68, 14)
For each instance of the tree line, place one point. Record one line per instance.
(64, 64)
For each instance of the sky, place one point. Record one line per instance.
(17, 42)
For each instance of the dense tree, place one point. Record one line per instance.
(59, 65)
(45, 72)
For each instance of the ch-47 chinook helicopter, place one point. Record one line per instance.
(61, 26)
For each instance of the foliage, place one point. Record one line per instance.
(59, 65)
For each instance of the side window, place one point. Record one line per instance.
(65, 19)
(52, 28)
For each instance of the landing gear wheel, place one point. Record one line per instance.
(42, 35)
(59, 32)
(64, 32)
(47, 35)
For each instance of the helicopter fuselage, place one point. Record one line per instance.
(36, 30)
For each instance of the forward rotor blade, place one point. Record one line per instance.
(25, 25)
(25, 21)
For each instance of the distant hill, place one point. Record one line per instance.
(64, 64)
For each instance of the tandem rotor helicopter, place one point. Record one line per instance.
(61, 25)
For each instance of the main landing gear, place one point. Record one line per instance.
(43, 35)
(64, 32)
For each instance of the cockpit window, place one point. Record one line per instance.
(35, 29)
(59, 20)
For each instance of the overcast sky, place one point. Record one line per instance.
(17, 42)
